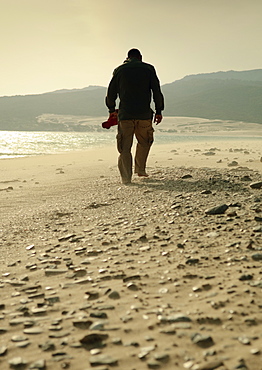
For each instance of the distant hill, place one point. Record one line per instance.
(215, 96)
(228, 95)
(24, 112)
(252, 75)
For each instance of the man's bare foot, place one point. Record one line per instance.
(142, 174)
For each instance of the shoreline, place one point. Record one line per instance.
(102, 160)
(172, 130)
(174, 139)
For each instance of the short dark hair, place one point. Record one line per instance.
(134, 53)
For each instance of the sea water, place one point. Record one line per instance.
(23, 143)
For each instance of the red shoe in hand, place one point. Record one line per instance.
(112, 120)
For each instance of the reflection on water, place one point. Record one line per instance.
(21, 143)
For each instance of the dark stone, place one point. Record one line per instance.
(192, 261)
(246, 178)
(66, 237)
(218, 210)
(246, 277)
(203, 341)
(114, 295)
(178, 318)
(209, 320)
(47, 346)
(99, 315)
(130, 278)
(257, 257)
(205, 192)
(95, 340)
(82, 324)
(256, 185)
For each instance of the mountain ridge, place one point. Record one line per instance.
(230, 95)
(247, 75)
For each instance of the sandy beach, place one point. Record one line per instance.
(162, 274)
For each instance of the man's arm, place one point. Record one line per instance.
(157, 97)
(111, 95)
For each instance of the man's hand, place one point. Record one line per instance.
(113, 115)
(158, 118)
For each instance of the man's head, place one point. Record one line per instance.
(134, 53)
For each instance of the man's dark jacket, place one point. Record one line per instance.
(134, 82)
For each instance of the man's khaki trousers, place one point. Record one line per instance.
(143, 131)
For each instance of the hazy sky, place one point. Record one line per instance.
(53, 44)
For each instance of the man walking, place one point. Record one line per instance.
(134, 82)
